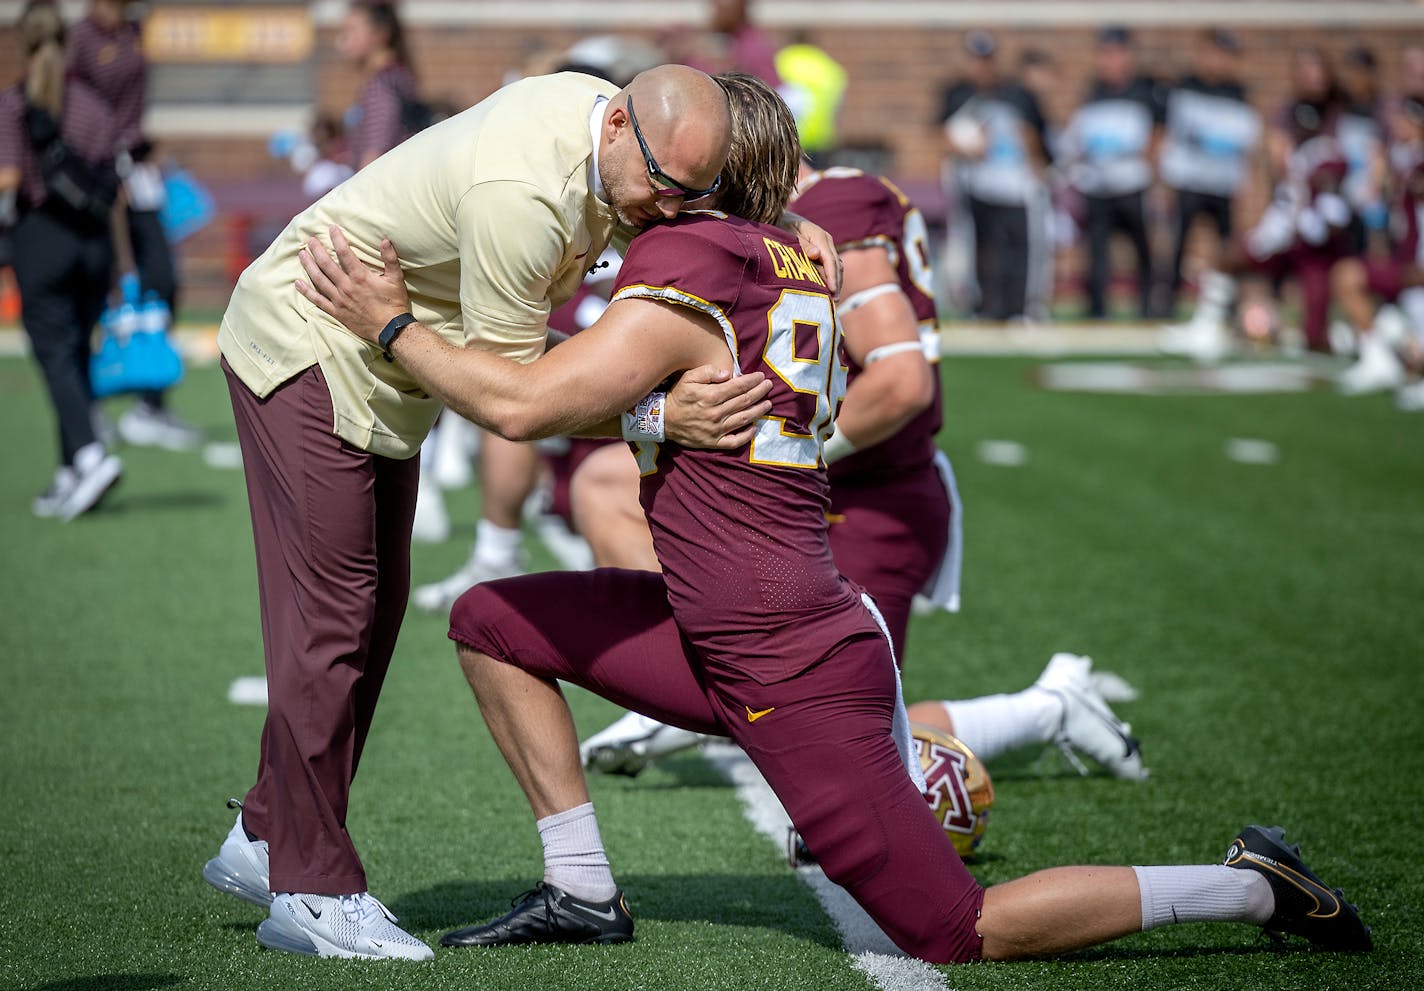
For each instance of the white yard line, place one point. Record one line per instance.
(871, 951)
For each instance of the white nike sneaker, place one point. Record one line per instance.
(1088, 725)
(96, 471)
(356, 926)
(632, 743)
(438, 597)
(241, 867)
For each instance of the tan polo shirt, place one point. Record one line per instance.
(492, 214)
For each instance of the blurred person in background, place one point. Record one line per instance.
(1050, 221)
(749, 49)
(1411, 71)
(730, 42)
(328, 167)
(1363, 130)
(813, 85)
(1110, 146)
(372, 38)
(1212, 131)
(1380, 294)
(1312, 81)
(63, 253)
(1302, 234)
(995, 136)
(106, 52)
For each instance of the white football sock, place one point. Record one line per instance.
(1207, 893)
(497, 545)
(574, 859)
(995, 724)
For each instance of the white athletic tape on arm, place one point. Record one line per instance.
(886, 350)
(856, 300)
(837, 446)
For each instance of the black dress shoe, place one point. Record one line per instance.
(546, 914)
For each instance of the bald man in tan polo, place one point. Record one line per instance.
(498, 213)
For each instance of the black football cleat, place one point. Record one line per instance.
(546, 914)
(1305, 905)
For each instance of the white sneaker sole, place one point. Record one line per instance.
(283, 933)
(234, 881)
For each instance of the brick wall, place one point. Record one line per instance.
(896, 77)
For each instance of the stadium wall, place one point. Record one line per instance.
(898, 56)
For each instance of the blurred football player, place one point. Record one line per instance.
(1364, 284)
(895, 514)
(1302, 234)
(750, 631)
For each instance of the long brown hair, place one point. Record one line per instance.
(765, 153)
(41, 32)
(386, 20)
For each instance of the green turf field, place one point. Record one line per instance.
(1271, 616)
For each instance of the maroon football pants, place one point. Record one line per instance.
(1310, 267)
(888, 535)
(822, 739)
(331, 524)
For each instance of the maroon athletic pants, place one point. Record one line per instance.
(332, 524)
(888, 535)
(1311, 269)
(822, 738)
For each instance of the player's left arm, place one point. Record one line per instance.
(882, 335)
(586, 381)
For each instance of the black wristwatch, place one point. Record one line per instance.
(398, 323)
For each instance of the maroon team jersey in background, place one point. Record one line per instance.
(741, 535)
(860, 211)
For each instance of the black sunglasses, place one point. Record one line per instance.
(664, 184)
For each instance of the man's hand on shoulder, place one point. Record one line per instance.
(711, 409)
(363, 299)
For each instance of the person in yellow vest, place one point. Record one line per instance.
(813, 85)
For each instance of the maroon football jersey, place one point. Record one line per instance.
(741, 535)
(859, 211)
